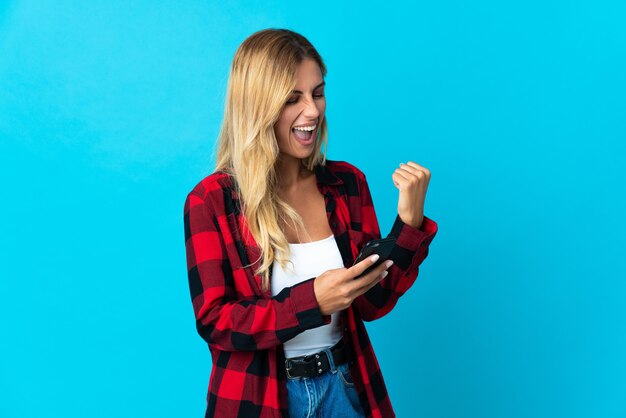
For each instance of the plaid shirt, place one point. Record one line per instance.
(245, 327)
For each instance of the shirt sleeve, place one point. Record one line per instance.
(409, 251)
(224, 321)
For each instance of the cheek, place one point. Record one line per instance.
(322, 107)
(283, 128)
(282, 132)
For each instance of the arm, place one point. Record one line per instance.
(222, 320)
(410, 250)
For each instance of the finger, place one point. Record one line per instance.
(400, 180)
(415, 171)
(414, 165)
(418, 167)
(414, 174)
(361, 266)
(375, 282)
(363, 283)
(403, 173)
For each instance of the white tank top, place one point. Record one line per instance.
(310, 259)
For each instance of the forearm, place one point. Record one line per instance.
(409, 252)
(258, 324)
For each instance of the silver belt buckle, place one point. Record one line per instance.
(287, 367)
(305, 359)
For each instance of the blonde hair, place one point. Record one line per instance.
(262, 76)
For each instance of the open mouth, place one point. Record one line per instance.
(305, 137)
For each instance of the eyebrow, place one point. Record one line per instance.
(319, 85)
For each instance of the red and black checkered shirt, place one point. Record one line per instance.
(245, 327)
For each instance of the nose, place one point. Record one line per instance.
(310, 109)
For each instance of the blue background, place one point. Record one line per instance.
(109, 111)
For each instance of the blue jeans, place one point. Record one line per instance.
(331, 394)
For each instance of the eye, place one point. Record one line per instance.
(295, 99)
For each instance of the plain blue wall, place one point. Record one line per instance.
(109, 111)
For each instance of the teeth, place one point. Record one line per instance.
(306, 128)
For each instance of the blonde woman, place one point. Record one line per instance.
(271, 237)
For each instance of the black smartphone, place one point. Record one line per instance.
(382, 247)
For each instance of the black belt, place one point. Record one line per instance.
(315, 364)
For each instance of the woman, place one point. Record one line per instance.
(271, 237)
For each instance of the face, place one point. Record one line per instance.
(305, 109)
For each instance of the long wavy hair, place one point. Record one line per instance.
(262, 76)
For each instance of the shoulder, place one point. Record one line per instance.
(344, 169)
(217, 180)
(212, 187)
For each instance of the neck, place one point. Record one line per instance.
(291, 172)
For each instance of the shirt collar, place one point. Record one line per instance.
(325, 176)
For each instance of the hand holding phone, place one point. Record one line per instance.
(382, 247)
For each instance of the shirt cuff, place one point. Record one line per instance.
(306, 306)
(411, 238)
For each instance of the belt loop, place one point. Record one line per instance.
(331, 360)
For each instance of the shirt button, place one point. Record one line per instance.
(334, 224)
